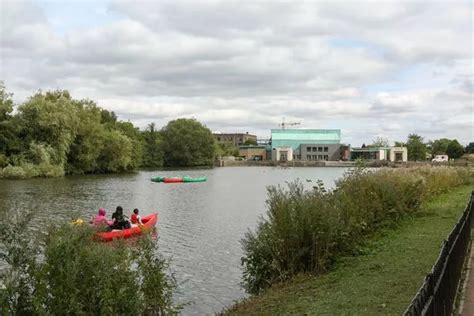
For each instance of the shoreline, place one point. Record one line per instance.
(339, 164)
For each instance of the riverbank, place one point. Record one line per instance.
(342, 164)
(382, 279)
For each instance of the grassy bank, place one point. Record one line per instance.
(381, 279)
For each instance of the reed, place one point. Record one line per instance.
(306, 231)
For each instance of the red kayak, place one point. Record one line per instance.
(149, 223)
(172, 180)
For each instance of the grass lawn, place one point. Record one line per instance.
(381, 280)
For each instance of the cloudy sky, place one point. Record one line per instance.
(374, 68)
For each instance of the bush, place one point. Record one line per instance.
(306, 231)
(12, 172)
(75, 275)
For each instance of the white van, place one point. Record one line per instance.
(440, 158)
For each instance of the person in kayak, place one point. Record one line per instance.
(100, 219)
(135, 218)
(120, 222)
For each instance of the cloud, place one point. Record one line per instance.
(369, 68)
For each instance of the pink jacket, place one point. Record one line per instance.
(100, 218)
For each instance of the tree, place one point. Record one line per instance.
(186, 142)
(416, 148)
(440, 146)
(400, 144)
(152, 152)
(470, 148)
(50, 118)
(9, 142)
(250, 142)
(380, 142)
(455, 149)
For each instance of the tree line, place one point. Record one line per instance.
(52, 134)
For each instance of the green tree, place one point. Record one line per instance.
(152, 152)
(186, 142)
(470, 148)
(116, 154)
(380, 142)
(9, 142)
(85, 150)
(455, 149)
(250, 142)
(416, 148)
(136, 139)
(440, 146)
(50, 118)
(226, 149)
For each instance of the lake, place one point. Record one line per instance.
(200, 225)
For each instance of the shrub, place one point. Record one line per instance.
(306, 231)
(12, 172)
(75, 275)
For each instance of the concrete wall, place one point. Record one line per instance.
(251, 153)
(282, 154)
(398, 150)
(320, 152)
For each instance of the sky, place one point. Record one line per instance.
(372, 69)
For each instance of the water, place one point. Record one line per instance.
(199, 226)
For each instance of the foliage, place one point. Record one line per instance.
(152, 153)
(66, 272)
(250, 142)
(226, 149)
(470, 148)
(380, 142)
(186, 142)
(416, 148)
(306, 231)
(439, 146)
(455, 149)
(382, 280)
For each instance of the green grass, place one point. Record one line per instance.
(381, 280)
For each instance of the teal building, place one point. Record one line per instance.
(306, 144)
(296, 137)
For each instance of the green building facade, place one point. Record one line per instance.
(294, 138)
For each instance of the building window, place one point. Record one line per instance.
(326, 157)
(326, 149)
(308, 157)
(320, 157)
(315, 157)
(320, 149)
(314, 148)
(308, 148)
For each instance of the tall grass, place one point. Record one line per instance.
(65, 272)
(306, 231)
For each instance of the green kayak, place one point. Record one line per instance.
(197, 179)
(184, 179)
(158, 179)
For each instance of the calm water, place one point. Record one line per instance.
(199, 226)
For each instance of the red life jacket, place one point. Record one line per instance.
(134, 218)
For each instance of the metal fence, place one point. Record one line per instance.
(437, 294)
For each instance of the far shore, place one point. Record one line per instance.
(340, 164)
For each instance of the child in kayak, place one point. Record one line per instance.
(119, 219)
(100, 219)
(135, 218)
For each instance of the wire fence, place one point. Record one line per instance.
(438, 292)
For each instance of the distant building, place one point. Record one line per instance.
(306, 144)
(236, 139)
(256, 152)
(393, 154)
